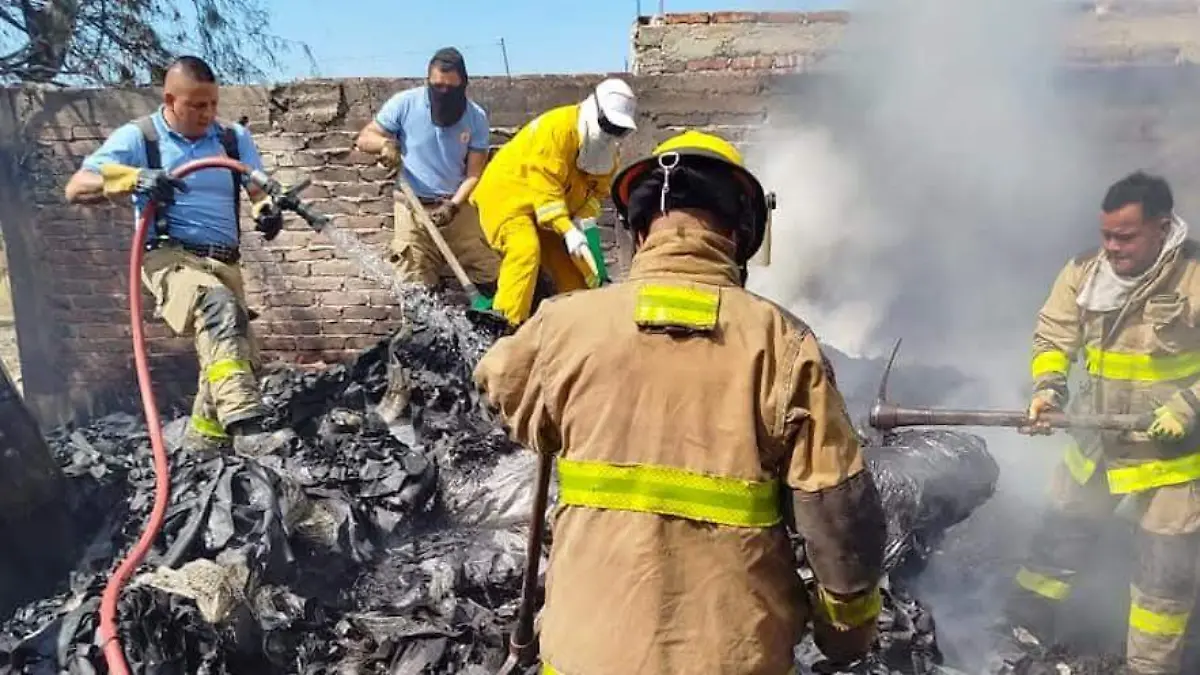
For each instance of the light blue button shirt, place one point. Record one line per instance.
(205, 213)
(435, 158)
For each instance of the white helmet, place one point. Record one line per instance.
(617, 103)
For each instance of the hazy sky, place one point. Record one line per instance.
(391, 38)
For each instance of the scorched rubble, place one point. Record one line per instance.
(362, 547)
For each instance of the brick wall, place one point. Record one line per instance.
(68, 264)
(69, 268)
(1098, 32)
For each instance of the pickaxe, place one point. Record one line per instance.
(885, 416)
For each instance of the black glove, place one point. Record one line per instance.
(490, 322)
(268, 218)
(158, 185)
(444, 214)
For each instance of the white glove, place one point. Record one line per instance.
(577, 246)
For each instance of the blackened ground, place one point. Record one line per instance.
(366, 547)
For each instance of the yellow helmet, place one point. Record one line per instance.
(690, 146)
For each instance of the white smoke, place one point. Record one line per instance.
(934, 188)
(931, 184)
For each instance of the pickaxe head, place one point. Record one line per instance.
(882, 413)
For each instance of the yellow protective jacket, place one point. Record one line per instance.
(689, 417)
(534, 175)
(1136, 359)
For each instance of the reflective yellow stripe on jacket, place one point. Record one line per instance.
(850, 613)
(1080, 465)
(669, 491)
(1050, 363)
(218, 371)
(1153, 474)
(208, 427)
(1142, 367)
(1123, 480)
(1156, 623)
(1046, 586)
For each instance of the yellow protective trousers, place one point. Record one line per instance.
(1165, 581)
(524, 249)
(205, 299)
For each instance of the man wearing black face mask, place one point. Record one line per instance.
(437, 139)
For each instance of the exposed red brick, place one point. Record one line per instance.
(294, 327)
(688, 17)
(335, 268)
(348, 327)
(278, 343)
(317, 343)
(700, 65)
(735, 17)
(342, 299)
(307, 254)
(315, 283)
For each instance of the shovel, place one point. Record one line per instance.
(479, 302)
(521, 646)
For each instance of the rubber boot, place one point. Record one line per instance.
(194, 442)
(252, 439)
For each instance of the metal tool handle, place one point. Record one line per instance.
(887, 416)
(435, 234)
(523, 635)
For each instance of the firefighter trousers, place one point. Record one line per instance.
(417, 258)
(524, 249)
(204, 299)
(1163, 590)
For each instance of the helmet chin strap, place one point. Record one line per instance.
(667, 161)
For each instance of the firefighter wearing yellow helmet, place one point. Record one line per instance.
(683, 411)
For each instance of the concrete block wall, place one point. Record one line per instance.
(1099, 32)
(70, 274)
(69, 264)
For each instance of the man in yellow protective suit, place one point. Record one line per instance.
(543, 189)
(1131, 309)
(693, 423)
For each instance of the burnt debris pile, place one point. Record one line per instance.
(382, 534)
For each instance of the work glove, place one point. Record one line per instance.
(158, 185)
(1167, 426)
(581, 255)
(268, 218)
(1044, 400)
(444, 214)
(389, 155)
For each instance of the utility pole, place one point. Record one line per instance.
(504, 53)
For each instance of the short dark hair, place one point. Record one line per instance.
(195, 68)
(1139, 187)
(449, 59)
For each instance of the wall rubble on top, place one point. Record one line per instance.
(1104, 32)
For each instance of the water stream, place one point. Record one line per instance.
(420, 307)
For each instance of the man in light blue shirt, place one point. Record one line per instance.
(437, 139)
(191, 262)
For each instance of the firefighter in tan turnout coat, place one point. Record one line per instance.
(1131, 312)
(692, 422)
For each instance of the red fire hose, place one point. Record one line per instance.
(109, 641)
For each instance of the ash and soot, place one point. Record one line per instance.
(932, 181)
(387, 537)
